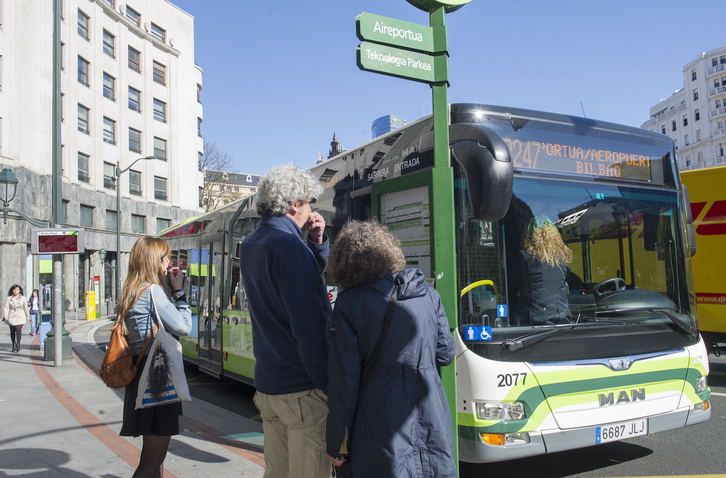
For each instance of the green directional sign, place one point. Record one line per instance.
(390, 31)
(401, 63)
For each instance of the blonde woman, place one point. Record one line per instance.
(545, 258)
(16, 314)
(150, 274)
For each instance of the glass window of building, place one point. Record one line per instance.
(162, 224)
(83, 160)
(160, 188)
(134, 99)
(111, 219)
(86, 216)
(135, 183)
(697, 115)
(134, 59)
(133, 15)
(83, 67)
(134, 140)
(83, 24)
(693, 75)
(160, 148)
(109, 86)
(109, 44)
(695, 95)
(673, 125)
(83, 119)
(109, 176)
(138, 224)
(685, 120)
(199, 126)
(109, 130)
(159, 110)
(158, 32)
(159, 73)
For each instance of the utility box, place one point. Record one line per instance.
(90, 299)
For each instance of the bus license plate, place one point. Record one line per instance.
(621, 431)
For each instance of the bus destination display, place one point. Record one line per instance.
(578, 160)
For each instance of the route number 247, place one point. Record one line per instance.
(509, 379)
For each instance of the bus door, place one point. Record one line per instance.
(210, 305)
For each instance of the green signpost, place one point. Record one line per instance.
(417, 52)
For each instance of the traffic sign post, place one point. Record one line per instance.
(417, 52)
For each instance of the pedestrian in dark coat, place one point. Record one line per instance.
(398, 424)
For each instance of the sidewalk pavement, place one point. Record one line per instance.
(64, 422)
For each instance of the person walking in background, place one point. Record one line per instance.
(34, 306)
(290, 312)
(149, 274)
(16, 314)
(388, 412)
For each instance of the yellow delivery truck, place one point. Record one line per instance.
(707, 191)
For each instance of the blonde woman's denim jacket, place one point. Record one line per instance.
(176, 317)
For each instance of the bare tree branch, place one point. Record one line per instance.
(215, 163)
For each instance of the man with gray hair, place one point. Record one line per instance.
(290, 311)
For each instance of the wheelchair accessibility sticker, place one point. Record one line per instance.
(472, 332)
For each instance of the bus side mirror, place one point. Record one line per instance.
(485, 161)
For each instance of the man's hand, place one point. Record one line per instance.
(316, 227)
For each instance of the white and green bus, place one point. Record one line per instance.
(627, 361)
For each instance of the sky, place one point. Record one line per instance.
(280, 76)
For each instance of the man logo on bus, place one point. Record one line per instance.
(623, 397)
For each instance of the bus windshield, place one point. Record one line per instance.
(621, 268)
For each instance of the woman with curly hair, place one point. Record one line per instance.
(544, 258)
(388, 413)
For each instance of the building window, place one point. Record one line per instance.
(697, 115)
(86, 219)
(109, 176)
(720, 150)
(201, 197)
(159, 110)
(138, 224)
(160, 148)
(699, 156)
(83, 71)
(673, 125)
(685, 120)
(158, 32)
(686, 139)
(693, 75)
(111, 219)
(663, 129)
(133, 15)
(695, 95)
(159, 188)
(134, 59)
(109, 86)
(83, 24)
(83, 119)
(134, 140)
(199, 93)
(199, 126)
(200, 160)
(162, 224)
(109, 44)
(698, 135)
(134, 99)
(135, 183)
(109, 130)
(83, 167)
(159, 73)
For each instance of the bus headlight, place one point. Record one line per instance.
(701, 384)
(500, 411)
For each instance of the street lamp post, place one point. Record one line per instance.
(117, 175)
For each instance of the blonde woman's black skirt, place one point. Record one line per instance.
(163, 420)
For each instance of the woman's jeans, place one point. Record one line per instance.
(34, 321)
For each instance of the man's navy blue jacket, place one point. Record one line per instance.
(289, 307)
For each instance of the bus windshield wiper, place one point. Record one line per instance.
(680, 324)
(526, 340)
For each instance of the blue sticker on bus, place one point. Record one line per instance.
(474, 333)
(502, 310)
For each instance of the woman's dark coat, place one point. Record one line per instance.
(399, 424)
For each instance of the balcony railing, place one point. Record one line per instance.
(717, 112)
(721, 90)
